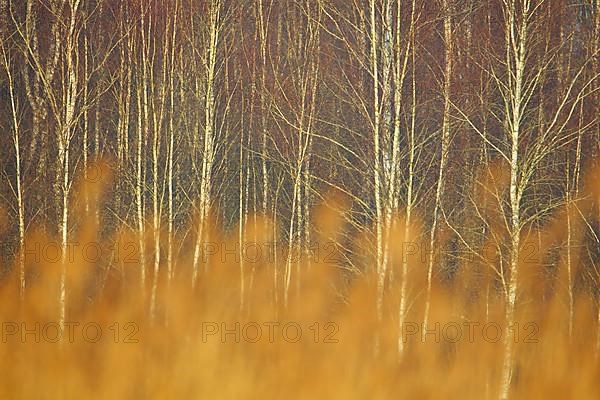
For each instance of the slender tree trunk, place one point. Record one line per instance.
(139, 187)
(241, 224)
(307, 55)
(37, 79)
(86, 79)
(516, 42)
(596, 68)
(515, 62)
(209, 124)
(64, 131)
(171, 149)
(263, 29)
(388, 184)
(410, 49)
(292, 231)
(379, 248)
(18, 178)
(447, 9)
(156, 138)
(124, 106)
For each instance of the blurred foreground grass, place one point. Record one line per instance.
(216, 340)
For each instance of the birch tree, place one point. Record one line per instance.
(171, 145)
(18, 184)
(517, 75)
(262, 26)
(214, 26)
(297, 110)
(158, 87)
(445, 135)
(40, 72)
(400, 70)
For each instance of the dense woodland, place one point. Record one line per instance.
(468, 130)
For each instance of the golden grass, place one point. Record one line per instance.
(355, 356)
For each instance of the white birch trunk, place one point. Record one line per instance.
(171, 150)
(65, 133)
(380, 267)
(516, 41)
(445, 144)
(209, 123)
(18, 179)
(411, 165)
